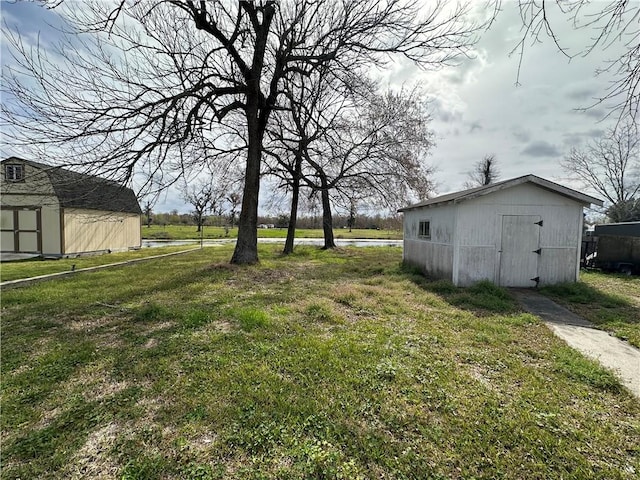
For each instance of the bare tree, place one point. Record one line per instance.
(611, 167)
(353, 211)
(134, 85)
(627, 211)
(200, 195)
(312, 105)
(234, 199)
(341, 138)
(608, 23)
(377, 148)
(311, 205)
(484, 172)
(147, 210)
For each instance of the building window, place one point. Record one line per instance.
(14, 172)
(424, 230)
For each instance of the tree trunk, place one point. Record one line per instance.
(257, 110)
(327, 220)
(246, 251)
(293, 217)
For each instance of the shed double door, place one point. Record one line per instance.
(520, 250)
(21, 230)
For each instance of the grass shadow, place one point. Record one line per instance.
(612, 312)
(581, 293)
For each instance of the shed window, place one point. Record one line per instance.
(14, 172)
(424, 230)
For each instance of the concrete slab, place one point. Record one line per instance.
(611, 352)
(14, 257)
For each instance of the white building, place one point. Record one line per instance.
(56, 212)
(522, 232)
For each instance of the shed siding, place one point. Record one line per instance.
(35, 180)
(476, 263)
(480, 228)
(49, 215)
(435, 260)
(467, 249)
(94, 231)
(525, 194)
(51, 234)
(435, 255)
(442, 223)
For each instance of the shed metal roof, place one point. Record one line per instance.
(79, 190)
(463, 195)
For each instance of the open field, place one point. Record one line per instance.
(326, 365)
(187, 232)
(38, 266)
(612, 302)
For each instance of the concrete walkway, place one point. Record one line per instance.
(580, 334)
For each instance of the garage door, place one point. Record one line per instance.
(21, 230)
(519, 251)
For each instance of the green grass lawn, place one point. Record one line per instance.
(35, 267)
(185, 232)
(322, 365)
(610, 301)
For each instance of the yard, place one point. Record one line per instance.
(36, 267)
(320, 365)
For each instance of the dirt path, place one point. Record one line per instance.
(580, 334)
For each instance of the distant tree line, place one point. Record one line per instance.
(308, 221)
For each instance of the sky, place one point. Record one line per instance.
(477, 109)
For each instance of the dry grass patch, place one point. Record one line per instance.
(90, 323)
(110, 339)
(94, 459)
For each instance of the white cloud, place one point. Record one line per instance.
(480, 110)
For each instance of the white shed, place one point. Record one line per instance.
(53, 211)
(522, 232)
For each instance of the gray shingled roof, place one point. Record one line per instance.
(457, 197)
(79, 190)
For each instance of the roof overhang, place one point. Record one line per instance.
(464, 195)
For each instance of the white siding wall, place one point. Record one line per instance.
(94, 231)
(480, 229)
(433, 256)
(466, 237)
